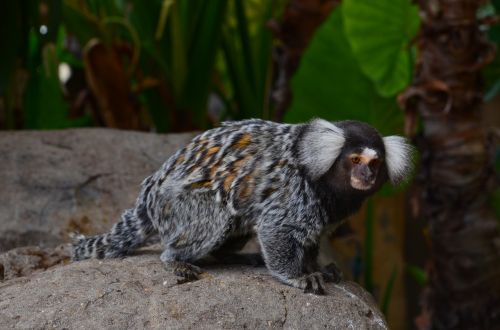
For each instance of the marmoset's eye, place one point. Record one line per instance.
(355, 160)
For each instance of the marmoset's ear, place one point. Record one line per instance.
(399, 158)
(320, 146)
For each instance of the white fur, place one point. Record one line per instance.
(399, 158)
(319, 148)
(369, 152)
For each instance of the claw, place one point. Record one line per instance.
(311, 283)
(187, 272)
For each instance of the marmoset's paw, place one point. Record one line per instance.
(186, 271)
(310, 283)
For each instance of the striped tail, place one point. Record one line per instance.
(131, 232)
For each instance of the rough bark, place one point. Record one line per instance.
(456, 174)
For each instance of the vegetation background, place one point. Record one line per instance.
(179, 65)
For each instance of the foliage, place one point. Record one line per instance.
(386, 297)
(368, 247)
(379, 35)
(418, 274)
(174, 39)
(247, 57)
(336, 77)
(491, 72)
(173, 56)
(368, 263)
(23, 46)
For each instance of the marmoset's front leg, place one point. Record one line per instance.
(331, 272)
(286, 257)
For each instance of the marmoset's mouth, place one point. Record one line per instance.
(361, 184)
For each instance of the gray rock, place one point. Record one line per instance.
(57, 182)
(26, 260)
(137, 293)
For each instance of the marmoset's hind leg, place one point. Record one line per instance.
(194, 227)
(185, 270)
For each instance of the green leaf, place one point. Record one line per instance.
(162, 20)
(329, 84)
(368, 247)
(379, 33)
(80, 21)
(491, 72)
(263, 59)
(157, 109)
(494, 202)
(247, 47)
(53, 20)
(386, 300)
(44, 104)
(243, 90)
(179, 52)
(201, 59)
(418, 274)
(13, 33)
(245, 40)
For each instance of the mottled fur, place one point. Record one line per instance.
(283, 182)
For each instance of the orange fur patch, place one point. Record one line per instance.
(246, 186)
(362, 158)
(201, 184)
(179, 160)
(240, 162)
(209, 153)
(244, 141)
(212, 150)
(228, 181)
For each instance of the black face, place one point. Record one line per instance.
(364, 167)
(361, 165)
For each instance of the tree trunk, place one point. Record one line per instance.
(456, 174)
(300, 20)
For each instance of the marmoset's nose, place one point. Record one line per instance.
(367, 174)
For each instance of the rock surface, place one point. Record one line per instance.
(26, 260)
(56, 182)
(137, 292)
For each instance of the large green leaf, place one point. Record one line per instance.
(330, 84)
(379, 33)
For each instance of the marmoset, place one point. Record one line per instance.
(284, 183)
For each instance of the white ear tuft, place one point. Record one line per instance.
(320, 146)
(399, 158)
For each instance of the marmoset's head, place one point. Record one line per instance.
(353, 155)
